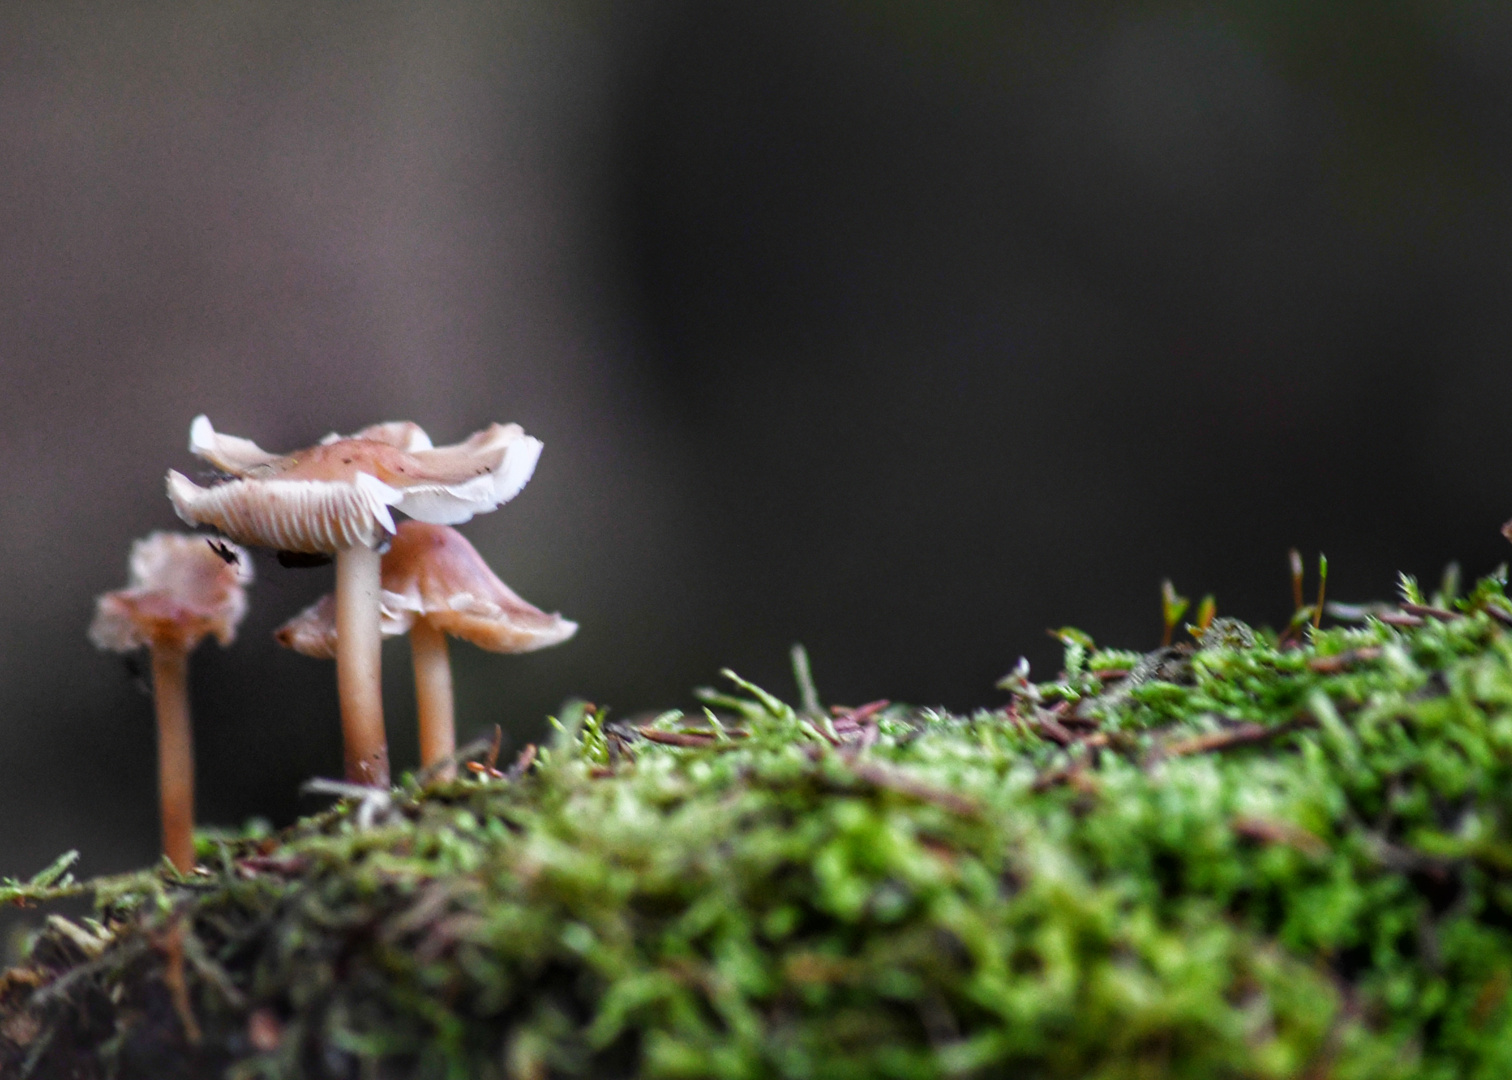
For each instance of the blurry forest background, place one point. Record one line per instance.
(902, 330)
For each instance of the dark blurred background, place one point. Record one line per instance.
(903, 330)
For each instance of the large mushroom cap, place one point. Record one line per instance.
(179, 590)
(337, 494)
(431, 572)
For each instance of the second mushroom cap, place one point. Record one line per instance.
(432, 572)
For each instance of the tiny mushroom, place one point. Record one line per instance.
(435, 583)
(180, 590)
(335, 498)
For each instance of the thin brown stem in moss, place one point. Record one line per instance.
(170, 692)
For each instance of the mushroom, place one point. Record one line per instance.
(334, 498)
(435, 583)
(180, 589)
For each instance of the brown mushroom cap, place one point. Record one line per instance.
(431, 572)
(179, 590)
(337, 494)
(434, 573)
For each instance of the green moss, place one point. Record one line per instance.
(1239, 858)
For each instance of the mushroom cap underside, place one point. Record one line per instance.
(338, 493)
(291, 515)
(313, 631)
(517, 628)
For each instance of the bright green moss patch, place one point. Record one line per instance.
(1232, 859)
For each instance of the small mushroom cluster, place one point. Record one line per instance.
(334, 500)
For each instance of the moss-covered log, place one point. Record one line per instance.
(1246, 857)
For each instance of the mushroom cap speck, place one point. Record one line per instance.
(179, 590)
(431, 572)
(338, 493)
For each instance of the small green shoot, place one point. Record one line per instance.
(1317, 615)
(1079, 646)
(1449, 586)
(50, 883)
(1172, 608)
(774, 706)
(1205, 612)
(803, 675)
(1305, 615)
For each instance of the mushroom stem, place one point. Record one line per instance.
(433, 695)
(170, 692)
(359, 671)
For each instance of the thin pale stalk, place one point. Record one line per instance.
(359, 666)
(170, 693)
(433, 696)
